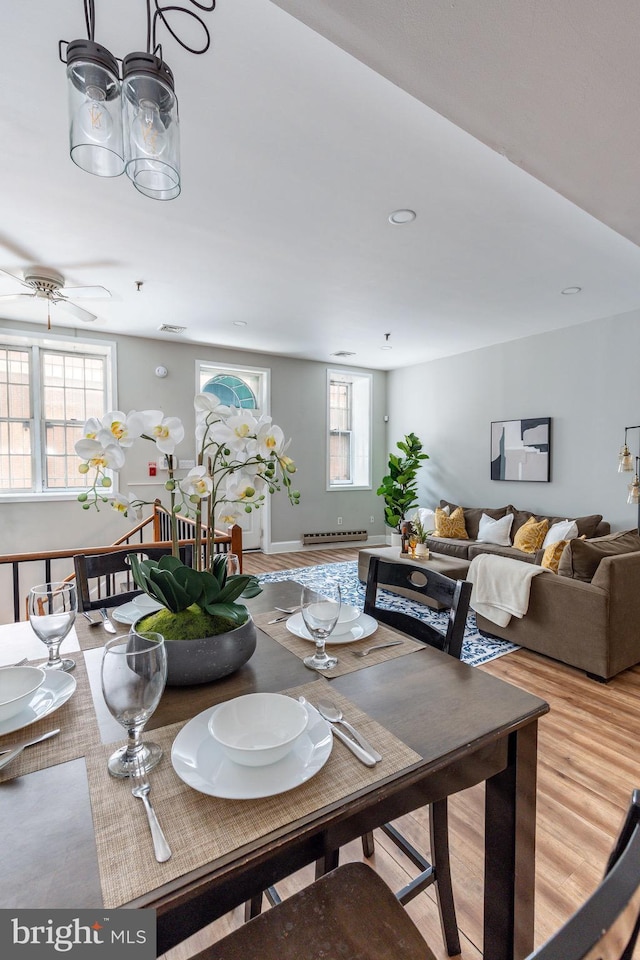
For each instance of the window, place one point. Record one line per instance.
(349, 418)
(48, 388)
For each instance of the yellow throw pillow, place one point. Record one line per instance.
(452, 527)
(530, 536)
(552, 554)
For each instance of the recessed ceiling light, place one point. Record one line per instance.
(386, 346)
(568, 291)
(239, 323)
(402, 216)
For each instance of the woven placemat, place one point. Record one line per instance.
(347, 660)
(200, 828)
(91, 637)
(78, 731)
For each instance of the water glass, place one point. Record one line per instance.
(134, 674)
(52, 612)
(233, 564)
(320, 615)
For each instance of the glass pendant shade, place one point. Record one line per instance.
(95, 109)
(634, 491)
(625, 460)
(151, 125)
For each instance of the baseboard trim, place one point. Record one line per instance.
(294, 546)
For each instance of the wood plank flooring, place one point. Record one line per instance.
(588, 764)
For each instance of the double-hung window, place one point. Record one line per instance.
(349, 440)
(48, 388)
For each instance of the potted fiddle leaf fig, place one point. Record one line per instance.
(399, 488)
(207, 633)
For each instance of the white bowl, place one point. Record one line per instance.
(259, 728)
(17, 686)
(347, 618)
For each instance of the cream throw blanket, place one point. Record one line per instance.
(500, 586)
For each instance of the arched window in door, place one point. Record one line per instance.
(232, 391)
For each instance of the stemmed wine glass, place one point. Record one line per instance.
(134, 673)
(320, 615)
(52, 611)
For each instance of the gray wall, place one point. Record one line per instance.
(298, 405)
(583, 377)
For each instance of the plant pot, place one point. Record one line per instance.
(396, 540)
(190, 662)
(422, 551)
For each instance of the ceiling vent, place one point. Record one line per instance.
(343, 353)
(170, 328)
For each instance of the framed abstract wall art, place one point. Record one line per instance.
(521, 449)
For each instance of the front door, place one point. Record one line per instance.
(246, 388)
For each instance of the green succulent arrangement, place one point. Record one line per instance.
(195, 603)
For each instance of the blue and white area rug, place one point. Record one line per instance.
(476, 649)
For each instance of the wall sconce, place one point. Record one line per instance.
(128, 123)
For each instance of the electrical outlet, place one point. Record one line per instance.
(339, 521)
(372, 519)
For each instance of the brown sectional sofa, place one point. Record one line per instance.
(588, 614)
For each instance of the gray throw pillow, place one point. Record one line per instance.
(580, 558)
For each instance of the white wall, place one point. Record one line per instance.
(583, 377)
(298, 405)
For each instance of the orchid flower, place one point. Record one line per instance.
(166, 431)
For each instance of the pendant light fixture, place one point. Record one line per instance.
(128, 123)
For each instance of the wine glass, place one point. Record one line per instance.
(52, 611)
(134, 673)
(320, 615)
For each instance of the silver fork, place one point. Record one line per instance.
(377, 646)
(141, 789)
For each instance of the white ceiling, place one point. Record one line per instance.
(294, 153)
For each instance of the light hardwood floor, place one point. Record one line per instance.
(587, 768)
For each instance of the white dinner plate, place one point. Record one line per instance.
(55, 689)
(364, 626)
(132, 611)
(203, 765)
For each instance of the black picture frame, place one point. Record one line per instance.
(521, 450)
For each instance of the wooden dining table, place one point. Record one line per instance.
(462, 726)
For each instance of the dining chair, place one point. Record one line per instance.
(100, 577)
(452, 596)
(351, 913)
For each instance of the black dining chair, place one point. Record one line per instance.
(350, 913)
(452, 596)
(105, 580)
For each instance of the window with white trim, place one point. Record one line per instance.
(349, 421)
(48, 389)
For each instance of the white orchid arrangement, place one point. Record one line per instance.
(240, 460)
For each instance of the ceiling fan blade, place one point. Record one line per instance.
(78, 312)
(17, 296)
(88, 293)
(13, 277)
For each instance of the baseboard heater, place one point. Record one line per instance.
(339, 536)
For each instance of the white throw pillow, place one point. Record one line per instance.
(564, 530)
(495, 531)
(427, 517)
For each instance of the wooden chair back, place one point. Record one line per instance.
(607, 924)
(454, 595)
(105, 580)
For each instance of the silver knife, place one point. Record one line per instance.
(364, 743)
(6, 758)
(355, 748)
(106, 623)
(28, 743)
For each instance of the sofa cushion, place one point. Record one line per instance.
(564, 530)
(580, 558)
(472, 516)
(451, 527)
(530, 536)
(495, 531)
(551, 556)
(476, 548)
(451, 548)
(585, 525)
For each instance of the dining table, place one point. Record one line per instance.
(74, 837)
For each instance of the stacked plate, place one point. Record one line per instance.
(136, 608)
(353, 625)
(49, 691)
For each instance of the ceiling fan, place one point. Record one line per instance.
(47, 284)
